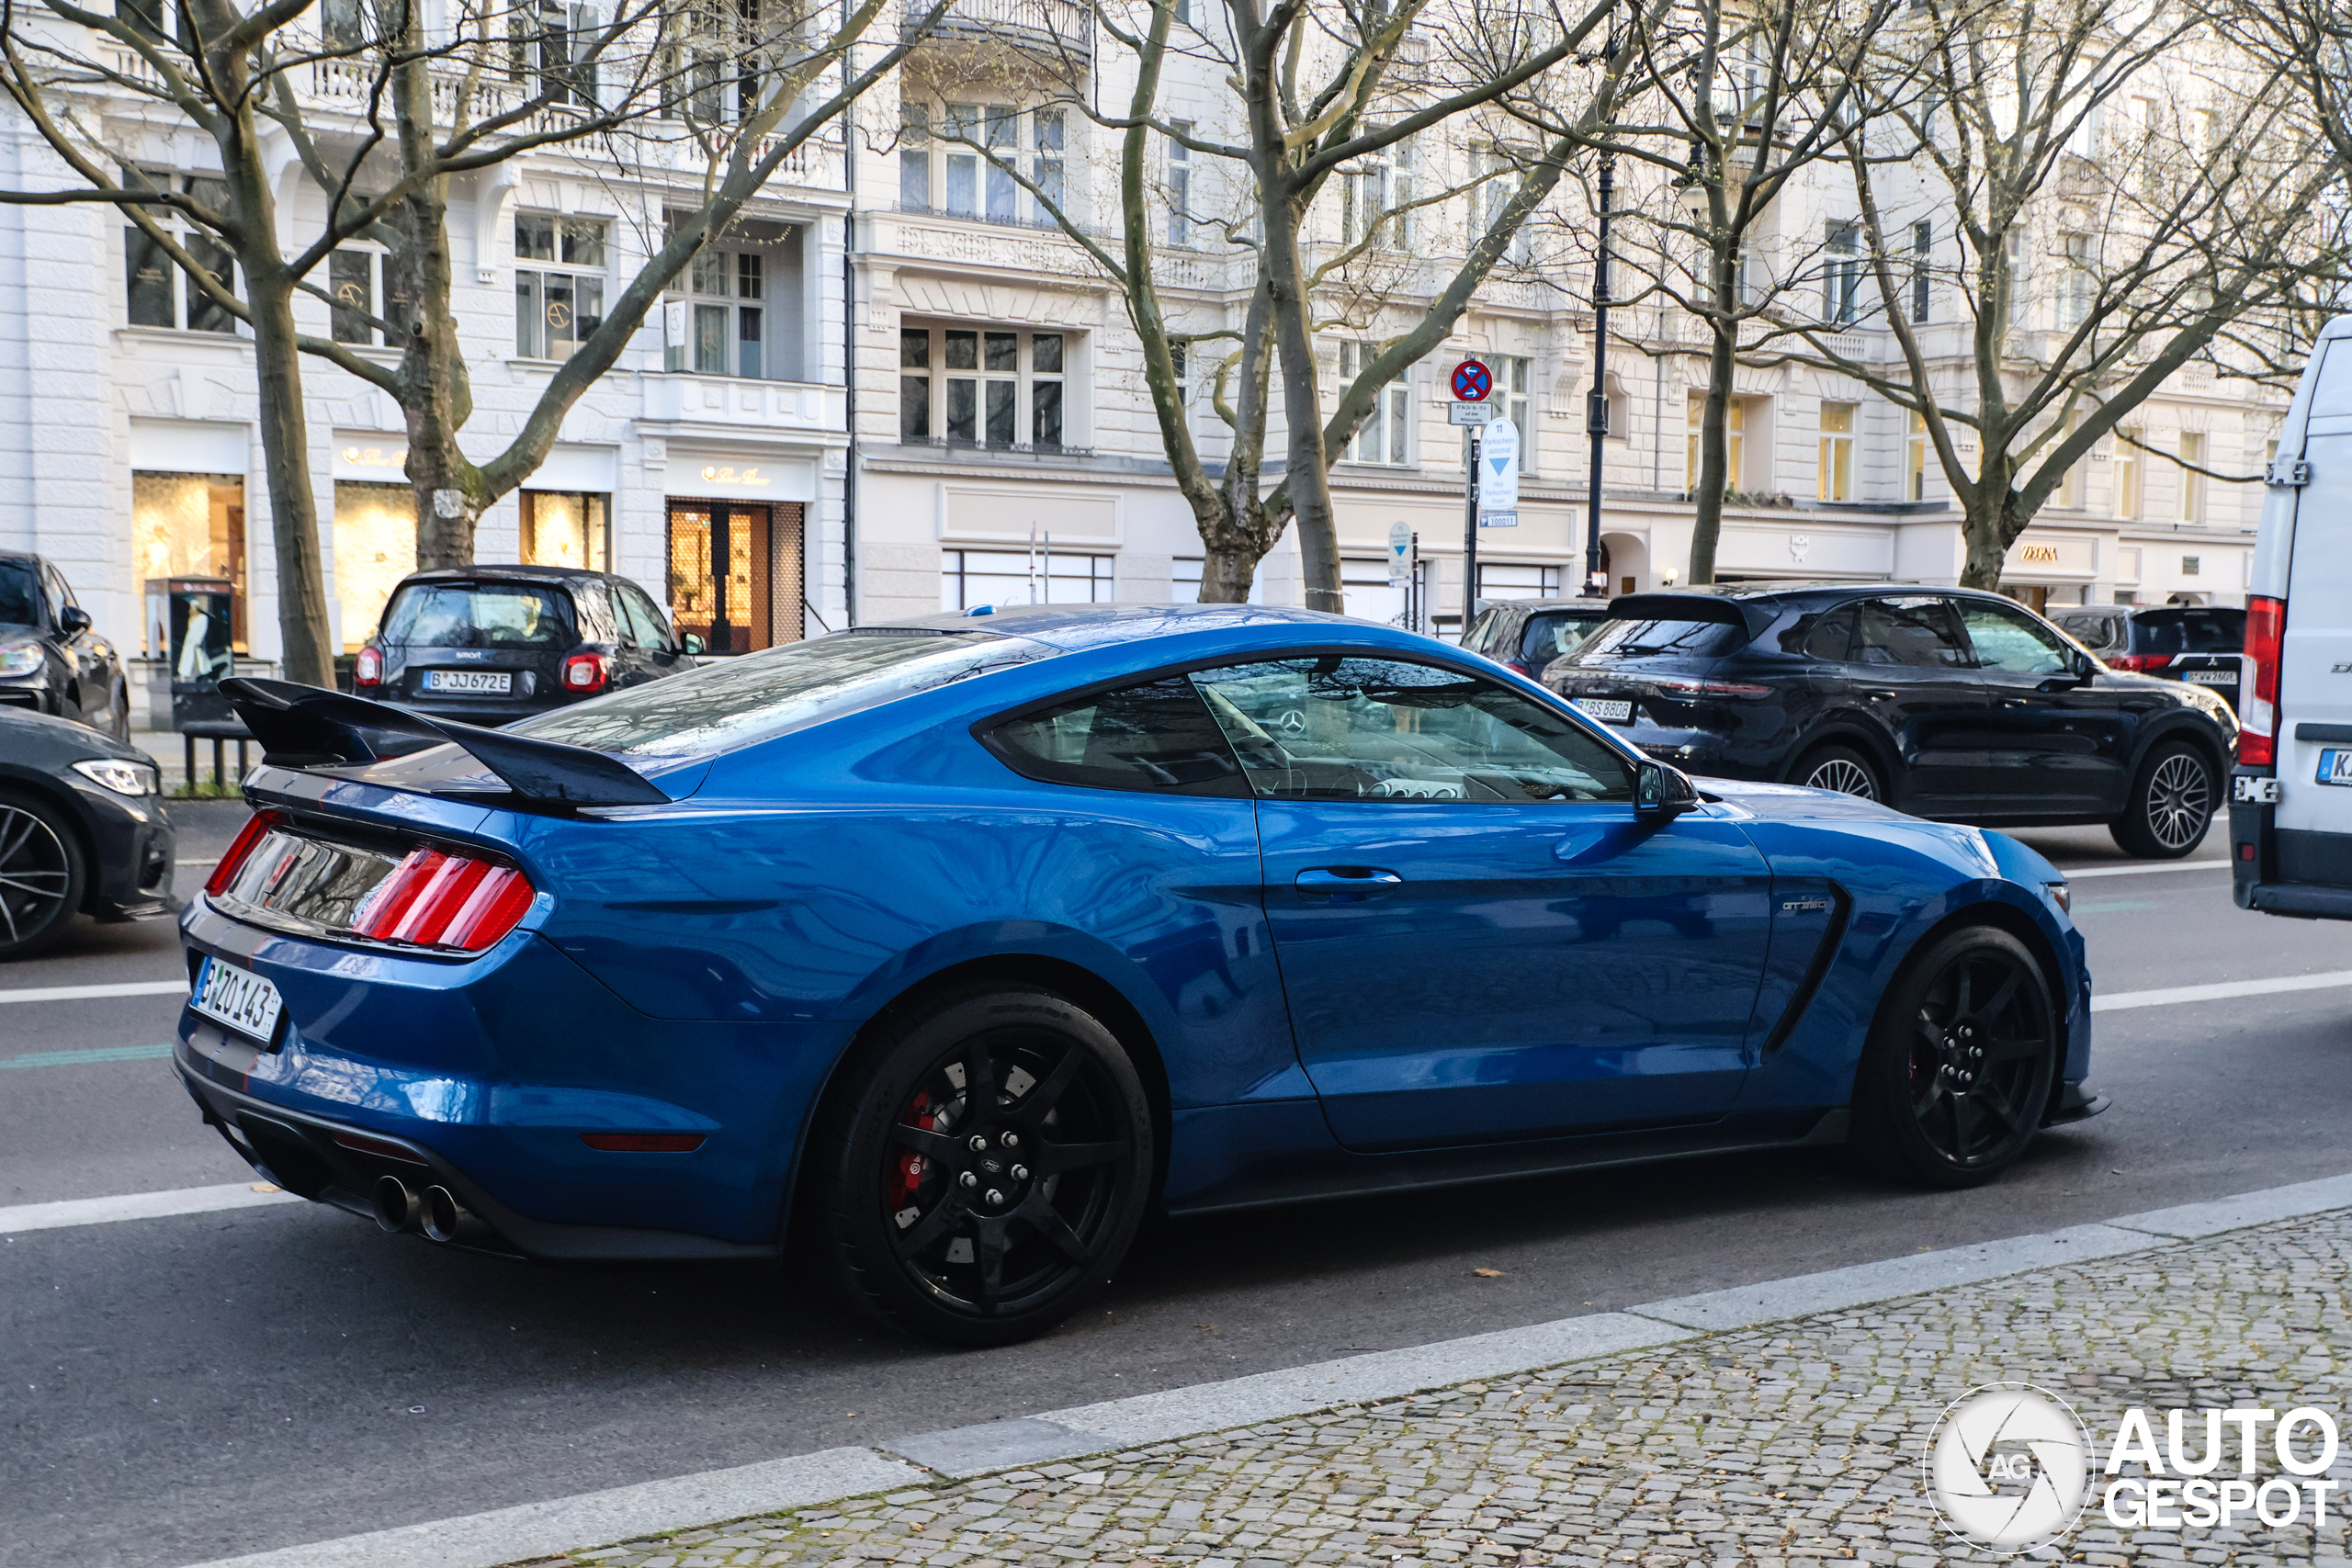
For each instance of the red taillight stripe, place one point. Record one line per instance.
(241, 848)
(495, 906)
(2265, 630)
(436, 899)
(429, 910)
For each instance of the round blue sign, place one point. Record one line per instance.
(1472, 381)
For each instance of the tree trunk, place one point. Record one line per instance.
(1989, 527)
(1306, 474)
(1228, 573)
(1714, 458)
(436, 397)
(307, 654)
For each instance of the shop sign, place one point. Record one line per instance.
(380, 458)
(2048, 557)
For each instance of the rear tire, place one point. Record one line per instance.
(1954, 1079)
(43, 876)
(981, 1165)
(2171, 806)
(1841, 769)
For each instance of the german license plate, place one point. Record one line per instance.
(497, 682)
(2211, 676)
(1610, 710)
(2336, 766)
(238, 998)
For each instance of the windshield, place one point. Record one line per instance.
(20, 596)
(1646, 639)
(477, 614)
(734, 702)
(1548, 637)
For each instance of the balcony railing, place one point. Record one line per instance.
(1059, 28)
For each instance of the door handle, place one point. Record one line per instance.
(1878, 694)
(2014, 703)
(1349, 882)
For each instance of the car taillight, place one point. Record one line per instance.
(433, 898)
(2266, 625)
(241, 848)
(368, 670)
(586, 672)
(1690, 686)
(2145, 663)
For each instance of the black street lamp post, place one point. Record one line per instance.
(1596, 421)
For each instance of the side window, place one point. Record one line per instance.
(1332, 727)
(54, 594)
(646, 621)
(2012, 640)
(1156, 737)
(1828, 636)
(1915, 632)
(1551, 636)
(1481, 630)
(2093, 632)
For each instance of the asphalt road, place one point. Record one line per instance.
(181, 1389)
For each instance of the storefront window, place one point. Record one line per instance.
(191, 525)
(375, 547)
(565, 527)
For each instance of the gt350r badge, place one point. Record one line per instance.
(1804, 905)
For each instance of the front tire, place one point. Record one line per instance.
(2171, 804)
(1957, 1068)
(43, 876)
(982, 1165)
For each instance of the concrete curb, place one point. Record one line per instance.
(538, 1530)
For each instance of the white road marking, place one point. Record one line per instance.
(94, 993)
(2077, 874)
(2221, 990)
(139, 1206)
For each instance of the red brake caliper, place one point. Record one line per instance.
(906, 1170)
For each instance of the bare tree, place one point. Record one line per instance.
(1316, 92)
(2117, 185)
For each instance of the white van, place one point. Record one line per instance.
(2290, 796)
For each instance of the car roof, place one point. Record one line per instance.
(1074, 628)
(526, 573)
(1590, 607)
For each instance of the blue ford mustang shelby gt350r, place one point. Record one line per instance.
(961, 942)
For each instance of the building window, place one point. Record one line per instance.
(1180, 186)
(1509, 579)
(1378, 195)
(1040, 576)
(191, 525)
(1514, 374)
(1922, 250)
(556, 310)
(1841, 275)
(2192, 483)
(1496, 173)
(2128, 470)
(726, 315)
(2070, 483)
(1836, 456)
(1385, 434)
(2074, 303)
(2190, 564)
(914, 157)
(375, 547)
(1049, 143)
(1915, 458)
(982, 387)
(159, 294)
(549, 48)
(563, 528)
(1735, 442)
(977, 187)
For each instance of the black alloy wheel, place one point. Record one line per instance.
(41, 876)
(2171, 805)
(1957, 1073)
(984, 1165)
(1839, 768)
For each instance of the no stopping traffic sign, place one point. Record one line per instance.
(1472, 381)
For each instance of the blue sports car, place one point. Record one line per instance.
(959, 945)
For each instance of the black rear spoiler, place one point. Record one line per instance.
(308, 726)
(1748, 614)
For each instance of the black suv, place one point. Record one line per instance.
(52, 660)
(1944, 702)
(2196, 643)
(1527, 634)
(493, 644)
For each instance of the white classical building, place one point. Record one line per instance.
(898, 390)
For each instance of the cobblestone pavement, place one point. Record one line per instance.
(1796, 1443)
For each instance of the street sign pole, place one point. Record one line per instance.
(1472, 382)
(1596, 583)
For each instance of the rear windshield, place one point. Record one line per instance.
(1548, 637)
(734, 702)
(1650, 639)
(478, 615)
(20, 596)
(2094, 632)
(2189, 631)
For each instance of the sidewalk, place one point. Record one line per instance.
(1799, 1442)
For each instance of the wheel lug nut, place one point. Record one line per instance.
(977, 1144)
(994, 1196)
(969, 1179)
(1019, 1173)
(1012, 1140)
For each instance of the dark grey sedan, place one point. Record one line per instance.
(82, 831)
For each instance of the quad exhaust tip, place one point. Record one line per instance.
(397, 1207)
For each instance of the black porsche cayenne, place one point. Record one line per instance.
(1943, 702)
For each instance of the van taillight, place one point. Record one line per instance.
(241, 848)
(367, 669)
(436, 899)
(586, 672)
(2145, 663)
(2266, 626)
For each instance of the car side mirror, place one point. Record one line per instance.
(692, 642)
(74, 620)
(1662, 792)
